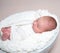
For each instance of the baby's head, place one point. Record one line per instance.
(44, 23)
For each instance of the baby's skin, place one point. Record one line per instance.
(42, 24)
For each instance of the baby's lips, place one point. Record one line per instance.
(6, 33)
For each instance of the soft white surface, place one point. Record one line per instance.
(23, 38)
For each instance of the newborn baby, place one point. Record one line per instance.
(42, 24)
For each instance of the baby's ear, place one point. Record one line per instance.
(34, 23)
(35, 27)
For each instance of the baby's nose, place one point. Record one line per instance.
(6, 33)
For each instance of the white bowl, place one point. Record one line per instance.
(13, 19)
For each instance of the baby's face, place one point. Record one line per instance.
(45, 23)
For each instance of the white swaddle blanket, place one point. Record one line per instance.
(23, 38)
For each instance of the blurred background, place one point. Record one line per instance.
(9, 7)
